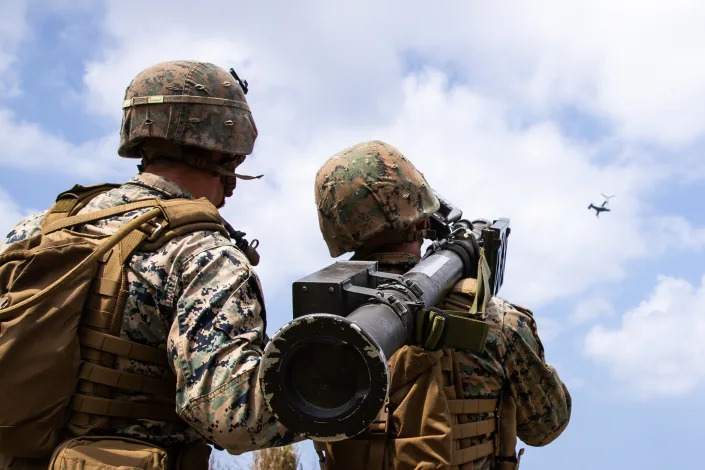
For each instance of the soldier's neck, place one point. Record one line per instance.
(391, 260)
(200, 183)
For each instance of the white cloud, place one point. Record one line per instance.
(677, 232)
(13, 29)
(658, 348)
(635, 64)
(26, 146)
(590, 309)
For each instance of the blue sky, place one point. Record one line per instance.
(522, 112)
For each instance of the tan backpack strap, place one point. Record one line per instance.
(167, 235)
(74, 200)
(507, 436)
(106, 246)
(96, 215)
(123, 408)
(126, 381)
(188, 211)
(377, 434)
(122, 347)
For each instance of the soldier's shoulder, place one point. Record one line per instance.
(514, 323)
(26, 228)
(198, 243)
(509, 316)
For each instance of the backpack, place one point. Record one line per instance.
(62, 296)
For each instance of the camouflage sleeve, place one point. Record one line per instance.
(215, 345)
(26, 228)
(542, 400)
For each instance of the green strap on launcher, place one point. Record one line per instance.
(436, 328)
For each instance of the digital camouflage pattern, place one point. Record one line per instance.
(367, 189)
(187, 103)
(198, 298)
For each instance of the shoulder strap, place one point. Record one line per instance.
(437, 328)
(97, 215)
(73, 200)
(127, 234)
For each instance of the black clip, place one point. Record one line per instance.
(243, 83)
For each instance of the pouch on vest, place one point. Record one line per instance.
(106, 453)
(44, 283)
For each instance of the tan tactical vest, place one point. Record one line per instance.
(426, 423)
(62, 296)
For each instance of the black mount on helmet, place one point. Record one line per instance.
(242, 83)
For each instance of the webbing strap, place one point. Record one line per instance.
(472, 406)
(469, 454)
(434, 330)
(126, 381)
(123, 409)
(446, 363)
(96, 318)
(375, 458)
(483, 293)
(474, 429)
(122, 347)
(105, 286)
(106, 246)
(449, 303)
(96, 215)
(466, 333)
(170, 234)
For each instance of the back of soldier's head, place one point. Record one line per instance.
(369, 190)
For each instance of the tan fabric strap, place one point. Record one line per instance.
(446, 363)
(469, 454)
(449, 303)
(159, 99)
(106, 246)
(180, 212)
(105, 286)
(127, 381)
(96, 318)
(375, 459)
(122, 347)
(123, 409)
(63, 205)
(96, 215)
(170, 234)
(478, 428)
(472, 406)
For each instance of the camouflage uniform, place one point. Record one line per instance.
(512, 363)
(369, 190)
(198, 298)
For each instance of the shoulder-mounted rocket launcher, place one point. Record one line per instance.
(324, 374)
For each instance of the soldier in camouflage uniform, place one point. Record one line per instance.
(373, 202)
(197, 297)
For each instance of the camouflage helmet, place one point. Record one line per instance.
(186, 103)
(368, 189)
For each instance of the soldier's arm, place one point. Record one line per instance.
(26, 228)
(542, 400)
(215, 345)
